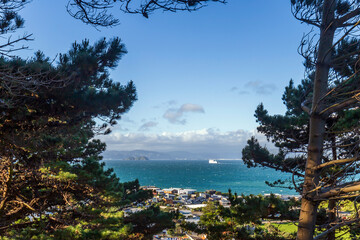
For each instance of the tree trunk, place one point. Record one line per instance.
(332, 203)
(332, 218)
(317, 123)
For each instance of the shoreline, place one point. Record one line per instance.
(282, 196)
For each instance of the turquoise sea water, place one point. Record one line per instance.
(199, 175)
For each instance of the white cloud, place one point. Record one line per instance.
(122, 129)
(257, 87)
(196, 141)
(127, 119)
(260, 88)
(240, 92)
(166, 104)
(243, 92)
(175, 115)
(146, 126)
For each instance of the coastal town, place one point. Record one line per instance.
(189, 198)
(188, 203)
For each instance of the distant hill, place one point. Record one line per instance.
(141, 158)
(152, 155)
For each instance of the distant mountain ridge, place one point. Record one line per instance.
(153, 155)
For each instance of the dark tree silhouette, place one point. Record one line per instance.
(97, 12)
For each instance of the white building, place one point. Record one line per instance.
(187, 191)
(160, 192)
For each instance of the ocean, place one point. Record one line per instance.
(200, 175)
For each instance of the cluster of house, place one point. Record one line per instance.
(188, 202)
(187, 197)
(180, 198)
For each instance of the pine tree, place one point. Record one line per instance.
(290, 132)
(51, 179)
(331, 103)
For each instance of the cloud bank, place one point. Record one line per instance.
(197, 141)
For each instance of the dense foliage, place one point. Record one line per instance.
(52, 182)
(244, 218)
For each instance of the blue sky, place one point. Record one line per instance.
(199, 76)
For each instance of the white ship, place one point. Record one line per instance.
(212, 161)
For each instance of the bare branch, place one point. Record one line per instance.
(293, 181)
(306, 13)
(345, 18)
(96, 13)
(338, 190)
(339, 106)
(325, 233)
(305, 108)
(335, 162)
